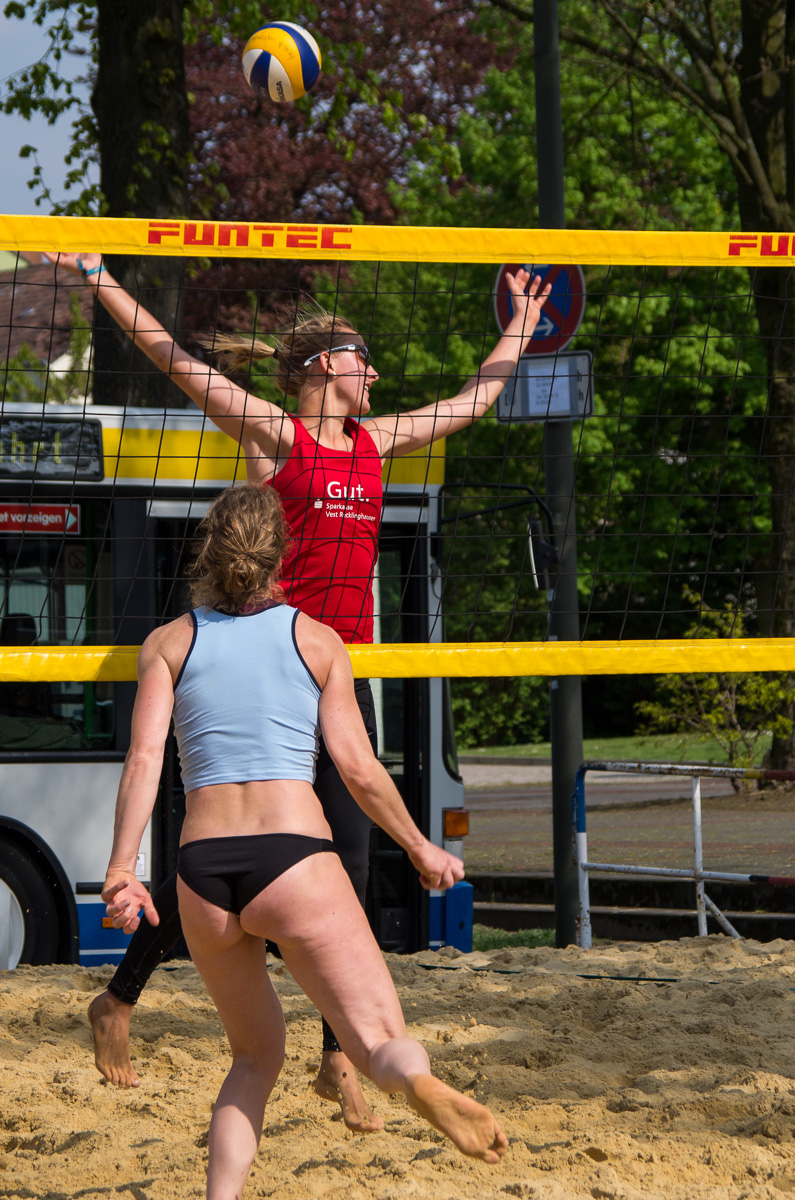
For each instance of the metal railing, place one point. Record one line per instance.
(698, 875)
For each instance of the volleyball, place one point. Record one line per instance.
(281, 61)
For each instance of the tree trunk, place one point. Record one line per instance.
(768, 103)
(774, 291)
(141, 107)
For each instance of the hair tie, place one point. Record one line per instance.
(276, 353)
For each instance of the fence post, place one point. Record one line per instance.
(698, 848)
(581, 855)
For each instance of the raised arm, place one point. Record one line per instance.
(257, 425)
(365, 777)
(123, 892)
(404, 432)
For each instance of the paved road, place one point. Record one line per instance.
(489, 786)
(631, 819)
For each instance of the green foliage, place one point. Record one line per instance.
(681, 398)
(235, 20)
(486, 938)
(670, 485)
(738, 712)
(25, 378)
(656, 748)
(504, 711)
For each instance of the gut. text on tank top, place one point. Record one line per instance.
(332, 500)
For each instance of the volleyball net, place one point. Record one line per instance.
(650, 347)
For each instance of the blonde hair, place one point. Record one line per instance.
(312, 331)
(242, 541)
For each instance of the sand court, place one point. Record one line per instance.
(676, 1080)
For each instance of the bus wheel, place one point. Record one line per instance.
(29, 923)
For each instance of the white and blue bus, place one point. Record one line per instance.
(98, 509)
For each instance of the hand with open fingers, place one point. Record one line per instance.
(436, 867)
(124, 897)
(527, 297)
(76, 264)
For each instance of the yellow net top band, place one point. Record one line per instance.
(448, 660)
(399, 243)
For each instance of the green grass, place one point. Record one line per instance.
(674, 748)
(486, 938)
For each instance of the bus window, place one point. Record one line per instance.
(449, 747)
(55, 591)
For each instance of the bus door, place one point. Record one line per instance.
(416, 745)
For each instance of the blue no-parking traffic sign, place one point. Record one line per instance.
(561, 315)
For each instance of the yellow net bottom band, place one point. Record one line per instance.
(95, 664)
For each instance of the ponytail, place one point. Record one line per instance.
(311, 331)
(235, 351)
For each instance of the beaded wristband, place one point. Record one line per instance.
(91, 271)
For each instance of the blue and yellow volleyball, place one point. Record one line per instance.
(281, 61)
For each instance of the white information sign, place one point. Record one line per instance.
(548, 388)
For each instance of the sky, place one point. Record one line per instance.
(21, 44)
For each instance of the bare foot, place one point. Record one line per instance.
(110, 1030)
(468, 1124)
(337, 1080)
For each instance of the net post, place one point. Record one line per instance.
(566, 692)
(565, 695)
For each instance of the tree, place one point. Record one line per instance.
(672, 485)
(738, 712)
(727, 66)
(176, 130)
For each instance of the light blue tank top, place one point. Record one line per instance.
(245, 702)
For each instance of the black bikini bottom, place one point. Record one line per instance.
(230, 871)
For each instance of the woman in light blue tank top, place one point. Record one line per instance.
(245, 705)
(256, 861)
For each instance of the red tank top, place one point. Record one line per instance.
(332, 500)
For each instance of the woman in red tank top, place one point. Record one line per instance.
(326, 466)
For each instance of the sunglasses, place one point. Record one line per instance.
(362, 351)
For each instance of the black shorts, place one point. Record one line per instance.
(230, 872)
